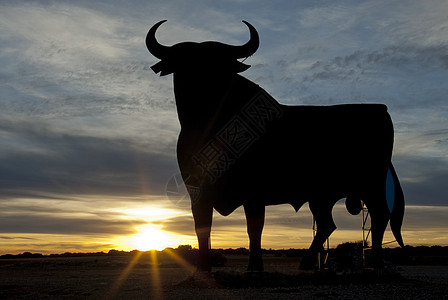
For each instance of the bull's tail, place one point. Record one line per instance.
(395, 203)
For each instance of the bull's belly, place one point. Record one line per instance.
(290, 188)
(228, 197)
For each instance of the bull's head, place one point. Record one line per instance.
(200, 57)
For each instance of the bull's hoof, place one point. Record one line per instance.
(204, 267)
(375, 260)
(204, 270)
(255, 265)
(202, 280)
(257, 268)
(307, 263)
(255, 262)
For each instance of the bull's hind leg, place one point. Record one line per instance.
(379, 224)
(325, 227)
(255, 223)
(380, 211)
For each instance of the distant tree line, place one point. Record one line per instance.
(409, 255)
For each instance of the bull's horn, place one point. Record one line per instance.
(250, 47)
(153, 45)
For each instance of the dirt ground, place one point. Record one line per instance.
(143, 278)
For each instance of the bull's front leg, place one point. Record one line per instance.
(255, 222)
(202, 214)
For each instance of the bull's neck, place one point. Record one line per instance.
(199, 100)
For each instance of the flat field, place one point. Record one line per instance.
(144, 277)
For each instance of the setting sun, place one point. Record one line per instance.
(152, 235)
(151, 238)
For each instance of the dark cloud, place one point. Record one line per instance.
(368, 63)
(45, 161)
(50, 224)
(15, 238)
(402, 76)
(401, 57)
(426, 218)
(44, 247)
(424, 180)
(180, 225)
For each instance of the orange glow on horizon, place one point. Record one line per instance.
(152, 238)
(151, 228)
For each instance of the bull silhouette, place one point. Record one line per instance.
(239, 146)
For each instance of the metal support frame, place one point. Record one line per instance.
(366, 239)
(322, 258)
(366, 229)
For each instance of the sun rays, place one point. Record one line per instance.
(123, 276)
(140, 260)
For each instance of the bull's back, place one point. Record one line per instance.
(313, 152)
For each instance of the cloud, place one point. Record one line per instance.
(65, 216)
(423, 180)
(401, 76)
(99, 215)
(427, 218)
(41, 159)
(74, 61)
(389, 60)
(15, 238)
(64, 225)
(60, 34)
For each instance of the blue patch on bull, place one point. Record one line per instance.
(390, 190)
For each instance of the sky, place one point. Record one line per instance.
(88, 132)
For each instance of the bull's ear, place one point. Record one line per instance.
(163, 67)
(238, 67)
